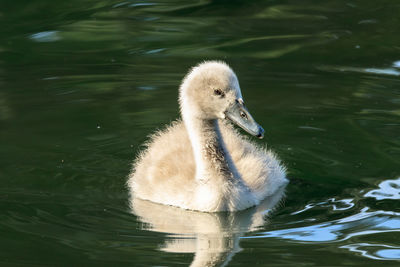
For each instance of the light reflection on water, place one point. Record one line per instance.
(389, 189)
(212, 237)
(390, 71)
(365, 223)
(375, 251)
(341, 229)
(48, 36)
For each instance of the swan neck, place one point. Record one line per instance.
(208, 148)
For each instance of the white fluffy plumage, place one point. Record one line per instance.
(201, 162)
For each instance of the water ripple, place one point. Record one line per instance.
(47, 36)
(375, 251)
(389, 189)
(390, 71)
(340, 205)
(363, 223)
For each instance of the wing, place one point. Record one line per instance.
(260, 169)
(166, 168)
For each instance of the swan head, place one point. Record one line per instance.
(211, 91)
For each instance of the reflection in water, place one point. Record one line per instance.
(389, 189)
(375, 251)
(340, 204)
(213, 237)
(365, 224)
(47, 36)
(392, 71)
(387, 71)
(362, 223)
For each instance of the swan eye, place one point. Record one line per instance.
(243, 115)
(218, 92)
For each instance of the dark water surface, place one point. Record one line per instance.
(82, 83)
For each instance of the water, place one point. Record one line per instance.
(82, 83)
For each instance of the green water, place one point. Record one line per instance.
(82, 83)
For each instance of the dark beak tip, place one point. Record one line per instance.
(260, 134)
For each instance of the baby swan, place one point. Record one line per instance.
(202, 163)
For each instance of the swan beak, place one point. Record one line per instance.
(239, 114)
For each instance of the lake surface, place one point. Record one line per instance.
(83, 83)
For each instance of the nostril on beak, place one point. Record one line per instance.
(260, 132)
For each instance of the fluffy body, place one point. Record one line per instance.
(201, 162)
(165, 173)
